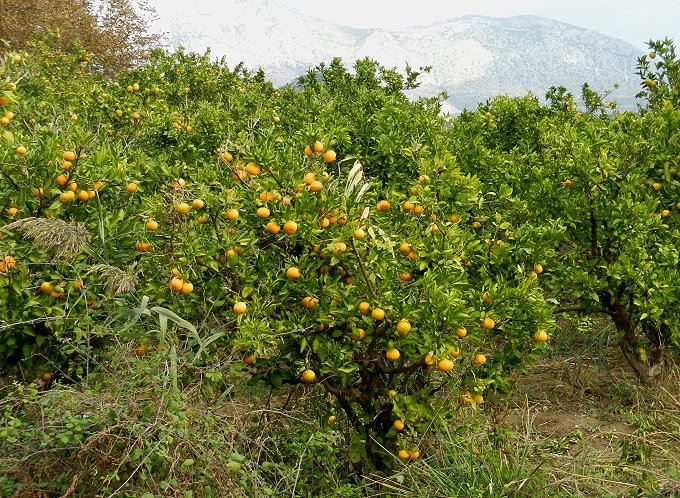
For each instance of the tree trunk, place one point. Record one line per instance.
(648, 371)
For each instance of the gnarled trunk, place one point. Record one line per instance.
(653, 368)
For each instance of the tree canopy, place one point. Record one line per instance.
(114, 31)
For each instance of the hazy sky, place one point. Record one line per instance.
(632, 20)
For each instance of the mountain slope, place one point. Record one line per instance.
(473, 58)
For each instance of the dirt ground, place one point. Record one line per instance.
(590, 415)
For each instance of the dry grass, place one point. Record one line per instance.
(66, 239)
(115, 280)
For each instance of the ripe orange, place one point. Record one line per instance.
(240, 307)
(62, 179)
(140, 350)
(39, 192)
(290, 227)
(46, 287)
(21, 150)
(252, 169)
(308, 376)
(318, 146)
(383, 206)
(399, 425)
(359, 233)
(329, 156)
(249, 360)
(445, 365)
(408, 205)
(263, 212)
(480, 358)
(183, 208)
(73, 186)
(83, 195)
(187, 287)
(272, 227)
(332, 419)
(363, 307)
(403, 326)
(406, 277)
(656, 186)
(478, 399)
(413, 256)
(665, 213)
(378, 314)
(151, 225)
(197, 204)
(308, 151)
(358, 334)
(77, 284)
(232, 214)
(69, 156)
(404, 454)
(67, 196)
(430, 360)
(476, 224)
(405, 248)
(293, 272)
(538, 268)
(239, 175)
(96, 185)
(488, 323)
(309, 178)
(47, 376)
(393, 354)
(12, 211)
(418, 209)
(176, 284)
(540, 336)
(316, 186)
(311, 302)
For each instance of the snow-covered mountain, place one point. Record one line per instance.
(473, 58)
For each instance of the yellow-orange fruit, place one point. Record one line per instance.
(290, 227)
(393, 354)
(445, 364)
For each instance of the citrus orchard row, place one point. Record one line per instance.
(335, 234)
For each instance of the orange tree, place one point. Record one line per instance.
(609, 181)
(245, 209)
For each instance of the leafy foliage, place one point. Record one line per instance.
(334, 234)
